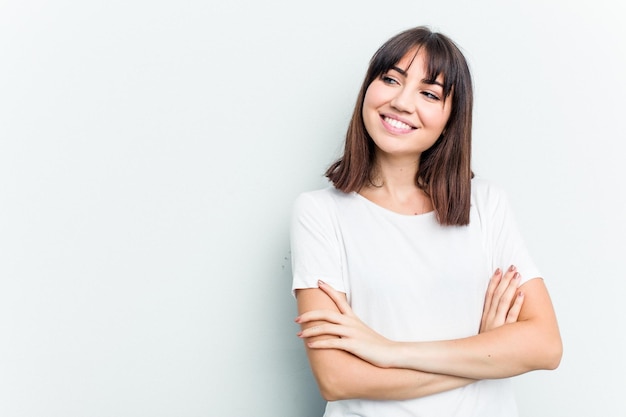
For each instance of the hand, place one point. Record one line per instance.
(503, 301)
(354, 336)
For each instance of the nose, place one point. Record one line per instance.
(403, 101)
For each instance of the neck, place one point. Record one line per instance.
(396, 175)
(394, 187)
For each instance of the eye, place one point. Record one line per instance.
(430, 95)
(388, 79)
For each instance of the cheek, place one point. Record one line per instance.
(367, 100)
(369, 106)
(374, 95)
(437, 116)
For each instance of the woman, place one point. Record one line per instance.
(401, 312)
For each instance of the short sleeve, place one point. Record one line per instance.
(315, 242)
(506, 243)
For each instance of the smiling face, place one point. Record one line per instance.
(404, 112)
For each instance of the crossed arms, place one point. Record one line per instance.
(518, 334)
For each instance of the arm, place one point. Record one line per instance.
(342, 375)
(316, 251)
(532, 342)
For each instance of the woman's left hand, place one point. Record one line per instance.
(354, 336)
(503, 301)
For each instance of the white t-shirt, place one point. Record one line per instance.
(411, 279)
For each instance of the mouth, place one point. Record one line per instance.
(395, 125)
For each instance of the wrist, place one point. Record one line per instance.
(398, 354)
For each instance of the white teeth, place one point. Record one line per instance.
(397, 123)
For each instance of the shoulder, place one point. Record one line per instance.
(315, 216)
(487, 193)
(319, 204)
(319, 199)
(483, 186)
(322, 195)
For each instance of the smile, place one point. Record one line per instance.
(396, 125)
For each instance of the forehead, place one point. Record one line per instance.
(416, 62)
(415, 58)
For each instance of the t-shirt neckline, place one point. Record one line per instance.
(389, 212)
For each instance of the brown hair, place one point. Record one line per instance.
(445, 168)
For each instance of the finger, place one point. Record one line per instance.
(508, 296)
(334, 343)
(504, 282)
(504, 287)
(320, 315)
(488, 313)
(338, 298)
(515, 309)
(493, 284)
(326, 329)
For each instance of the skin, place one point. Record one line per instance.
(343, 375)
(405, 113)
(497, 352)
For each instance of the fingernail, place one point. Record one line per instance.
(517, 275)
(320, 282)
(512, 268)
(297, 319)
(498, 272)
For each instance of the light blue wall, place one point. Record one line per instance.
(150, 152)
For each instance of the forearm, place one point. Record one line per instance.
(341, 375)
(507, 351)
(531, 343)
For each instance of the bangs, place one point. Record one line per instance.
(440, 59)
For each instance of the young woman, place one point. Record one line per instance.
(401, 311)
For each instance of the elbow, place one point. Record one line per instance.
(336, 373)
(551, 355)
(331, 387)
(545, 355)
(326, 389)
(329, 395)
(340, 382)
(554, 357)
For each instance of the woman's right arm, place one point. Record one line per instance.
(341, 375)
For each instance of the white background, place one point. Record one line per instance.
(150, 152)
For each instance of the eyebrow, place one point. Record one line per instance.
(425, 81)
(400, 70)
